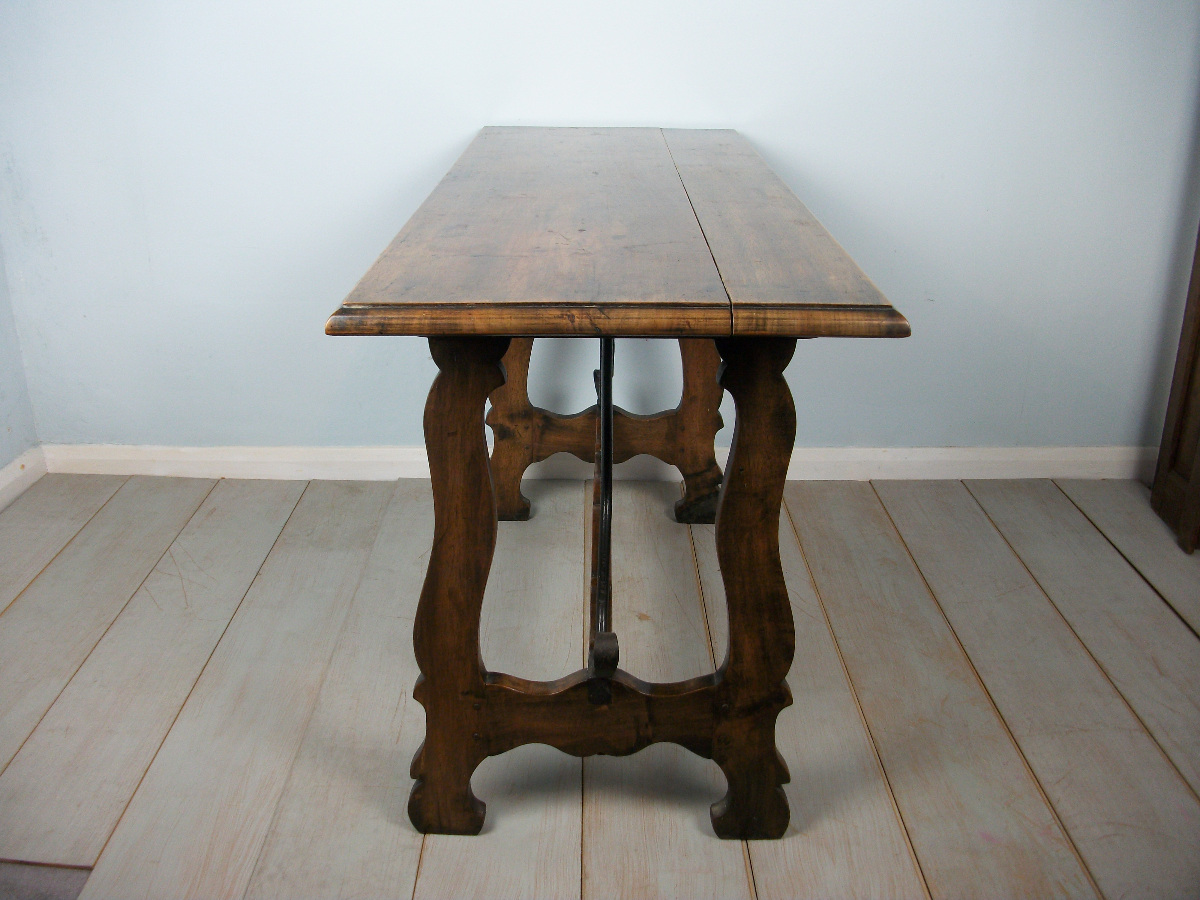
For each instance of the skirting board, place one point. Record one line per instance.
(20, 474)
(387, 463)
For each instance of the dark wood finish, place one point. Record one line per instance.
(562, 230)
(1176, 492)
(728, 716)
(688, 439)
(762, 637)
(540, 320)
(610, 231)
(784, 273)
(446, 629)
(604, 653)
(517, 429)
(525, 434)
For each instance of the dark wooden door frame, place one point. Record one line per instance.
(1176, 492)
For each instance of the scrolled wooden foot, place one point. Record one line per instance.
(698, 506)
(441, 800)
(754, 806)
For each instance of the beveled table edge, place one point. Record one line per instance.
(618, 320)
(832, 320)
(532, 320)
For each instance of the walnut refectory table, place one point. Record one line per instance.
(606, 233)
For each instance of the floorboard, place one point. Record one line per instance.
(1129, 812)
(846, 839)
(197, 823)
(1121, 510)
(48, 631)
(1146, 650)
(984, 699)
(39, 523)
(76, 773)
(341, 830)
(531, 627)
(976, 817)
(646, 817)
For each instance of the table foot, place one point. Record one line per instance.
(698, 506)
(441, 800)
(754, 806)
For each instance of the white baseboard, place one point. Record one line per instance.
(301, 463)
(863, 463)
(387, 463)
(20, 474)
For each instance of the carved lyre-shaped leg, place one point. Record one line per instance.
(446, 630)
(699, 420)
(516, 427)
(762, 637)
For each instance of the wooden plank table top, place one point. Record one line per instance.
(615, 232)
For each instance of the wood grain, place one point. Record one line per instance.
(590, 231)
(729, 717)
(446, 627)
(340, 829)
(337, 825)
(683, 437)
(1126, 808)
(846, 839)
(752, 689)
(582, 230)
(49, 630)
(645, 818)
(532, 627)
(1151, 656)
(39, 523)
(1121, 510)
(62, 794)
(200, 816)
(976, 817)
(784, 273)
(548, 319)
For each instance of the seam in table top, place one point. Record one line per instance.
(700, 225)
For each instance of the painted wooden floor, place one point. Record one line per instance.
(205, 692)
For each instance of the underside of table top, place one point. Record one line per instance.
(614, 231)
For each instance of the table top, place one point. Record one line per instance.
(615, 231)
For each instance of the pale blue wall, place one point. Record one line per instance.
(17, 433)
(187, 190)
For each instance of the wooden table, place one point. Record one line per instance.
(609, 232)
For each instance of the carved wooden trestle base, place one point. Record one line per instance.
(728, 716)
(525, 434)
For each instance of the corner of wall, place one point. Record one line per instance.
(18, 434)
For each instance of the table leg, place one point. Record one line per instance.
(683, 437)
(699, 419)
(762, 638)
(516, 428)
(446, 629)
